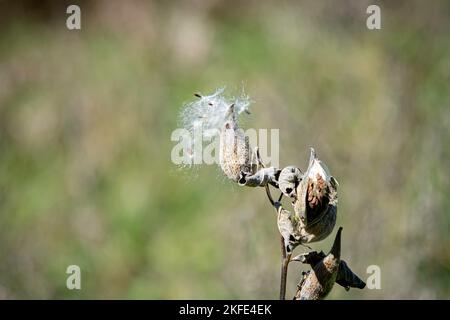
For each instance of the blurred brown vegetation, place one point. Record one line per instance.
(85, 124)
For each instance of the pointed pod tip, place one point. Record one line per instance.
(336, 249)
(230, 111)
(312, 155)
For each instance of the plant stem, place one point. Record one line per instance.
(284, 270)
(285, 258)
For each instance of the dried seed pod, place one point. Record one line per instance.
(261, 178)
(207, 117)
(315, 205)
(322, 277)
(288, 226)
(316, 201)
(312, 258)
(235, 153)
(288, 181)
(345, 277)
(305, 275)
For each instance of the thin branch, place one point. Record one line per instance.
(284, 270)
(269, 196)
(285, 258)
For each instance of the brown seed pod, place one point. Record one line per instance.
(319, 282)
(235, 152)
(288, 226)
(345, 277)
(316, 201)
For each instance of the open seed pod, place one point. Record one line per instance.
(235, 154)
(345, 278)
(289, 228)
(214, 116)
(325, 270)
(316, 201)
(319, 282)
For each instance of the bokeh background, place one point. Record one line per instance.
(85, 124)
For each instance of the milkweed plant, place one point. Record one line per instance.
(313, 192)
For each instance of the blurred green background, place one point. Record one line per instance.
(85, 124)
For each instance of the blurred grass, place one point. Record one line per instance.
(85, 124)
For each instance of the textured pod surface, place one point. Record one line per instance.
(345, 276)
(318, 197)
(288, 181)
(317, 285)
(319, 282)
(235, 154)
(316, 202)
(288, 227)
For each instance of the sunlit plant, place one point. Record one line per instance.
(313, 193)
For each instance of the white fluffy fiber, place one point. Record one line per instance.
(210, 113)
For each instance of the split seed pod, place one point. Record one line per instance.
(215, 116)
(345, 277)
(319, 282)
(289, 228)
(235, 151)
(315, 204)
(316, 201)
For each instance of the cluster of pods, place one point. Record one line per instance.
(314, 198)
